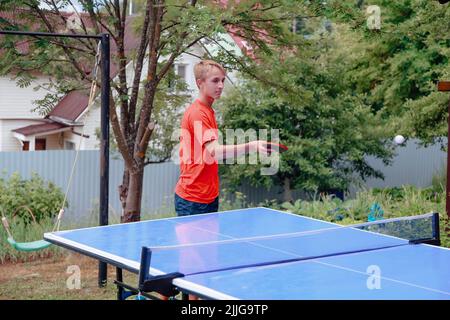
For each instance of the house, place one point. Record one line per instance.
(23, 128)
(71, 122)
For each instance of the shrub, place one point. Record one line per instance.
(44, 199)
(395, 202)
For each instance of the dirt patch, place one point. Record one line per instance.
(53, 278)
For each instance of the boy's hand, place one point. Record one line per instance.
(277, 147)
(265, 147)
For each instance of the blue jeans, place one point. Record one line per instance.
(185, 208)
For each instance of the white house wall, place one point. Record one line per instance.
(189, 61)
(16, 102)
(54, 141)
(91, 122)
(7, 140)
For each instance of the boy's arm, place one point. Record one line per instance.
(222, 152)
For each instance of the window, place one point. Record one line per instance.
(39, 144)
(182, 71)
(69, 145)
(177, 73)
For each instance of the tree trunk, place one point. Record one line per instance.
(287, 195)
(132, 210)
(123, 190)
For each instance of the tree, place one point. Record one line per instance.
(400, 64)
(165, 29)
(328, 128)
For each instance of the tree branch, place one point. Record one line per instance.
(147, 105)
(120, 138)
(65, 49)
(139, 65)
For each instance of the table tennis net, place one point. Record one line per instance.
(218, 252)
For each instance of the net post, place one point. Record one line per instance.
(444, 86)
(162, 284)
(436, 232)
(146, 256)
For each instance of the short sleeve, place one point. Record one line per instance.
(203, 126)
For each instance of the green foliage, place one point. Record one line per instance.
(399, 65)
(337, 97)
(172, 95)
(232, 199)
(395, 193)
(439, 180)
(395, 202)
(18, 196)
(43, 198)
(343, 95)
(329, 130)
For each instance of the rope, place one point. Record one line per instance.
(92, 93)
(5, 220)
(6, 225)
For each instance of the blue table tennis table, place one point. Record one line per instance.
(218, 262)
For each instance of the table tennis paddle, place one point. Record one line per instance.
(278, 147)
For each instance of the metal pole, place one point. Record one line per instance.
(447, 198)
(104, 143)
(445, 87)
(104, 148)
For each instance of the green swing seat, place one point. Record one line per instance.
(23, 246)
(29, 246)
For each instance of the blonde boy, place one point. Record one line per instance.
(197, 190)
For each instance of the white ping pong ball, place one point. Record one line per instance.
(399, 139)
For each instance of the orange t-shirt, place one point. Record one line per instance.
(199, 171)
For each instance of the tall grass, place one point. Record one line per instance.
(395, 202)
(26, 232)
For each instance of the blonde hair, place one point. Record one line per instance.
(204, 66)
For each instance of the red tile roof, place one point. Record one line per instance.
(40, 128)
(71, 106)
